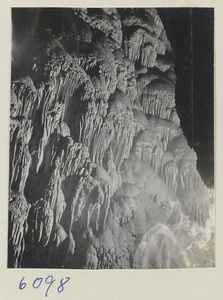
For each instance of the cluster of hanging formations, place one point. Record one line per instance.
(99, 166)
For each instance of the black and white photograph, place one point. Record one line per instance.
(111, 155)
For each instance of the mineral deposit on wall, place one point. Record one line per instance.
(101, 175)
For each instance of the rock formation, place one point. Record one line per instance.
(101, 175)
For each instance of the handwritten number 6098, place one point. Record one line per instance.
(49, 280)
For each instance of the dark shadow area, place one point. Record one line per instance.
(191, 33)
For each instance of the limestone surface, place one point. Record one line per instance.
(101, 175)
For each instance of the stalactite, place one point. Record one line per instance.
(18, 227)
(20, 158)
(101, 175)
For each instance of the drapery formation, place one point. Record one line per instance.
(101, 175)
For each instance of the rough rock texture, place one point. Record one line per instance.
(101, 175)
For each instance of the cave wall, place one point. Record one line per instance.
(101, 175)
